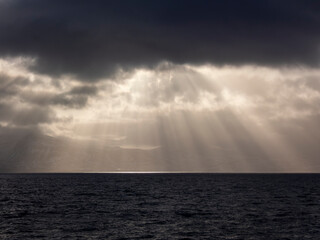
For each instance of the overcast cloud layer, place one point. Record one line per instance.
(221, 86)
(91, 39)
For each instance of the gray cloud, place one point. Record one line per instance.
(9, 86)
(93, 39)
(25, 115)
(84, 90)
(21, 87)
(46, 99)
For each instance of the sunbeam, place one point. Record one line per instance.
(169, 118)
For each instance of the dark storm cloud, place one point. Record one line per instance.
(9, 86)
(64, 99)
(84, 90)
(92, 39)
(77, 97)
(20, 87)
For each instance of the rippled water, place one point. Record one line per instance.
(159, 206)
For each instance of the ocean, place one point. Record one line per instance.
(160, 206)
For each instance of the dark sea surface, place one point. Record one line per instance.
(160, 206)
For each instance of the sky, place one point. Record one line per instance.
(195, 86)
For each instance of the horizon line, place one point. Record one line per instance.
(158, 172)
